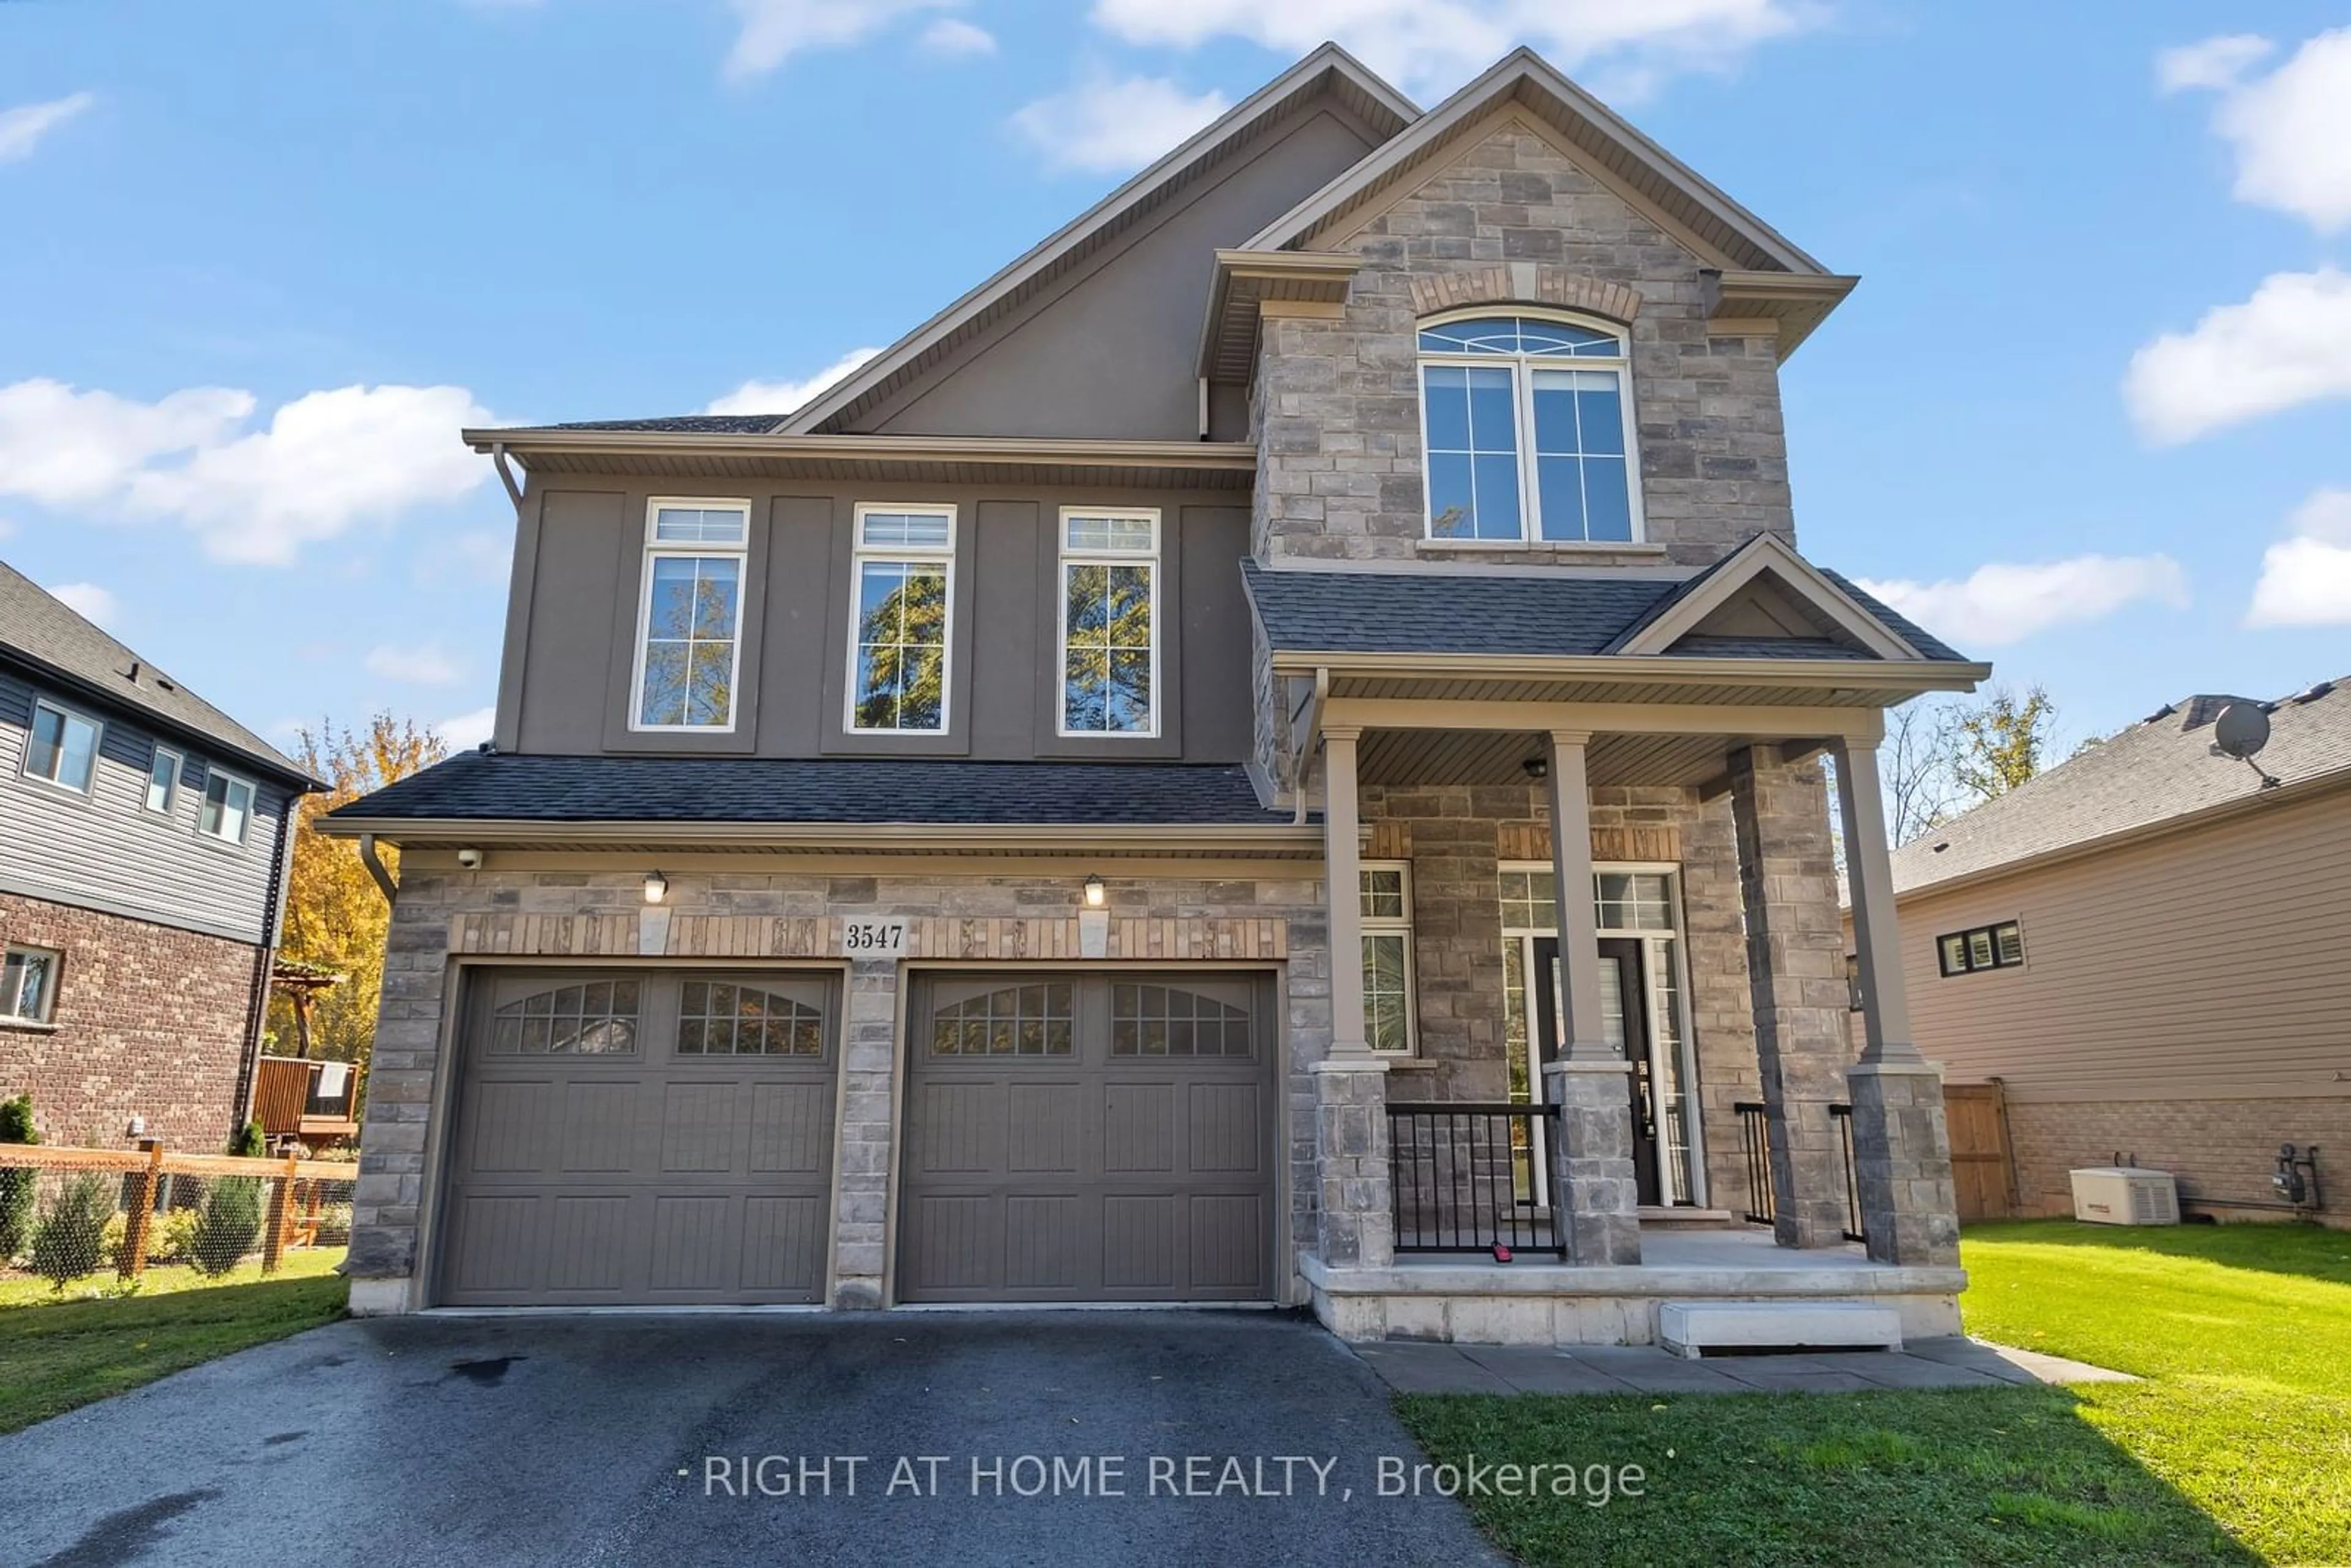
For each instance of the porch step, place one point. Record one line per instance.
(1692, 1328)
(1682, 1218)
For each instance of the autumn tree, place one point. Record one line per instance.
(336, 916)
(2000, 741)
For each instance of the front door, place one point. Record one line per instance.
(1624, 1024)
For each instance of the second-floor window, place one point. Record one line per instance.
(227, 810)
(63, 746)
(163, 781)
(900, 598)
(1109, 629)
(689, 634)
(1527, 430)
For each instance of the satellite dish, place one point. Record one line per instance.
(2241, 731)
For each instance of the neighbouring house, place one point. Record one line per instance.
(143, 848)
(2150, 951)
(1078, 810)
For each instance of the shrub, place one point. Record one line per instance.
(173, 1239)
(249, 1143)
(71, 1237)
(227, 1225)
(16, 1186)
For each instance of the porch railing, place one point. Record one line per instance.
(1464, 1177)
(1755, 1144)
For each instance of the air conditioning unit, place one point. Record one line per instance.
(2125, 1194)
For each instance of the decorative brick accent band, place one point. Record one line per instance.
(1644, 841)
(1523, 283)
(553, 936)
(1130, 941)
(773, 936)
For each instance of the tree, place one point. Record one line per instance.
(902, 647)
(2001, 740)
(1914, 764)
(336, 916)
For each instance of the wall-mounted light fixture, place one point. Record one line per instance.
(656, 887)
(1096, 893)
(1537, 766)
(470, 859)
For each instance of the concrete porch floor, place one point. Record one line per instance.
(1949, 1362)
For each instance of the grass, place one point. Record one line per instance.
(62, 1350)
(2237, 1448)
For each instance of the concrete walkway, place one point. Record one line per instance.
(1414, 1367)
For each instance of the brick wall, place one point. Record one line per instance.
(1336, 409)
(150, 1021)
(2218, 1148)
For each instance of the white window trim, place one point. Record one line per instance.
(1395, 925)
(171, 791)
(252, 807)
(860, 554)
(97, 749)
(1522, 391)
(657, 549)
(1067, 557)
(8, 1013)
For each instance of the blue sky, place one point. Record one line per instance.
(2087, 414)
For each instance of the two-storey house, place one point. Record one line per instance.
(1282, 730)
(143, 849)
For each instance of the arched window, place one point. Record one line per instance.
(1527, 430)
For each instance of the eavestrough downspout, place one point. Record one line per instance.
(375, 864)
(1309, 720)
(506, 475)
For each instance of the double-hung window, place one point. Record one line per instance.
(1527, 431)
(901, 589)
(63, 746)
(227, 810)
(1110, 623)
(163, 780)
(28, 984)
(1387, 955)
(689, 628)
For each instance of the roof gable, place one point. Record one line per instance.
(1765, 592)
(1329, 75)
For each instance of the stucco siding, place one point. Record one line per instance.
(106, 850)
(2207, 964)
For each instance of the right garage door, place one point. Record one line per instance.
(1089, 1137)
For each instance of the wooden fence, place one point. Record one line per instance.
(294, 1184)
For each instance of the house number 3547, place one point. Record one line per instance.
(874, 938)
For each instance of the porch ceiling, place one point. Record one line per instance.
(1464, 757)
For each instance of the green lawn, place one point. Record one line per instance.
(2237, 1448)
(60, 1350)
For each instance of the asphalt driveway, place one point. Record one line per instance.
(1129, 1437)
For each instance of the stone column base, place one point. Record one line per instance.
(1595, 1198)
(1902, 1164)
(381, 1298)
(1351, 1154)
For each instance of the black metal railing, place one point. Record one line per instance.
(1464, 1177)
(1755, 1144)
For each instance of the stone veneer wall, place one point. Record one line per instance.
(1454, 836)
(1335, 410)
(1157, 920)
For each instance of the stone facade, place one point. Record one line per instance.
(1336, 407)
(2222, 1151)
(1275, 918)
(151, 1022)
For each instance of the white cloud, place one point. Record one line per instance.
(467, 730)
(2287, 345)
(424, 665)
(2214, 64)
(1115, 125)
(66, 448)
(775, 30)
(2000, 604)
(7, 528)
(86, 600)
(1435, 45)
(2291, 128)
(2306, 576)
(954, 38)
(781, 398)
(22, 128)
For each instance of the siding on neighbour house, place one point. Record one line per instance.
(2211, 963)
(106, 850)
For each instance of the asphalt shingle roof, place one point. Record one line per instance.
(1425, 612)
(687, 424)
(41, 630)
(489, 786)
(2157, 770)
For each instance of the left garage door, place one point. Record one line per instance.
(655, 1137)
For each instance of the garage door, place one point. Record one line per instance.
(1090, 1138)
(654, 1137)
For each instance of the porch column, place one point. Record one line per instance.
(1351, 1097)
(1795, 976)
(1594, 1196)
(1902, 1152)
